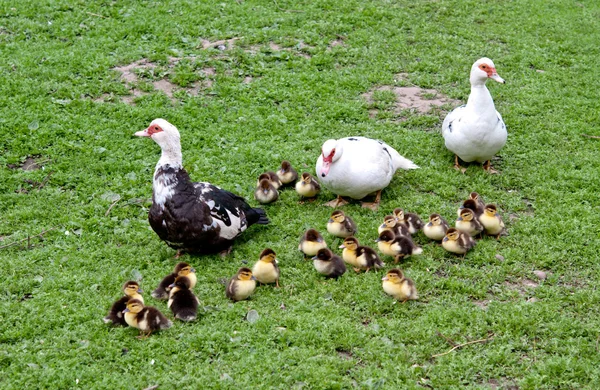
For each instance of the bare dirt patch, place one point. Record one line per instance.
(521, 286)
(31, 163)
(223, 44)
(483, 304)
(412, 98)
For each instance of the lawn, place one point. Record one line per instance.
(249, 83)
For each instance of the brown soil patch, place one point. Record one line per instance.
(31, 163)
(482, 304)
(334, 43)
(412, 98)
(223, 44)
(346, 355)
(521, 286)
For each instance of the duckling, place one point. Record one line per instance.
(457, 241)
(115, 315)
(308, 186)
(436, 228)
(410, 220)
(145, 318)
(341, 225)
(477, 198)
(311, 242)
(360, 257)
(398, 247)
(266, 192)
(181, 269)
(398, 286)
(492, 221)
(469, 223)
(270, 176)
(241, 285)
(391, 223)
(328, 264)
(287, 174)
(182, 301)
(266, 270)
(470, 204)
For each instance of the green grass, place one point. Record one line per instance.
(57, 57)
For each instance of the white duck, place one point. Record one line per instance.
(476, 131)
(188, 216)
(357, 167)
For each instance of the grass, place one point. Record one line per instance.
(57, 58)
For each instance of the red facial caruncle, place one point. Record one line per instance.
(490, 70)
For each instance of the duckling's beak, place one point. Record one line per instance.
(342, 246)
(193, 270)
(330, 220)
(445, 239)
(377, 240)
(126, 310)
(385, 278)
(253, 277)
(460, 219)
(171, 285)
(140, 291)
(497, 78)
(315, 258)
(429, 224)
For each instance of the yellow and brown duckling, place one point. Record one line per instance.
(328, 264)
(181, 269)
(147, 319)
(241, 285)
(266, 192)
(182, 301)
(286, 173)
(436, 228)
(398, 286)
(308, 186)
(457, 242)
(398, 247)
(390, 222)
(469, 223)
(360, 257)
(477, 198)
(470, 204)
(270, 176)
(115, 316)
(492, 221)
(311, 242)
(410, 220)
(266, 270)
(341, 225)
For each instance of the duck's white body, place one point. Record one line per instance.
(476, 131)
(358, 166)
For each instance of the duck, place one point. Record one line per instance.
(398, 286)
(182, 301)
(469, 223)
(391, 223)
(271, 177)
(436, 228)
(328, 264)
(492, 221)
(193, 217)
(457, 242)
(398, 247)
(147, 319)
(476, 131)
(341, 225)
(241, 285)
(360, 257)
(286, 173)
(356, 167)
(266, 270)
(471, 204)
(410, 220)
(311, 242)
(115, 316)
(308, 186)
(477, 198)
(266, 192)
(181, 269)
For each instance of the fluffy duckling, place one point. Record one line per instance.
(390, 222)
(132, 290)
(241, 285)
(477, 198)
(328, 264)
(470, 204)
(398, 286)
(311, 242)
(182, 301)
(469, 223)
(266, 192)
(360, 257)
(457, 241)
(145, 318)
(410, 220)
(341, 225)
(308, 186)
(266, 270)
(398, 247)
(181, 269)
(436, 228)
(270, 176)
(492, 221)
(287, 174)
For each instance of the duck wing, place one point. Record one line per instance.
(454, 115)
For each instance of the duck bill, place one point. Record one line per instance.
(497, 78)
(143, 133)
(325, 168)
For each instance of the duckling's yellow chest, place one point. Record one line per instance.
(467, 227)
(307, 190)
(453, 246)
(492, 224)
(386, 248)
(349, 257)
(399, 291)
(310, 248)
(131, 319)
(244, 288)
(338, 229)
(265, 272)
(435, 232)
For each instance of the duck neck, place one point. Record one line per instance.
(171, 156)
(480, 100)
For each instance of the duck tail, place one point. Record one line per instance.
(404, 163)
(258, 216)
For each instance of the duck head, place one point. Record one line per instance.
(167, 137)
(331, 152)
(483, 69)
